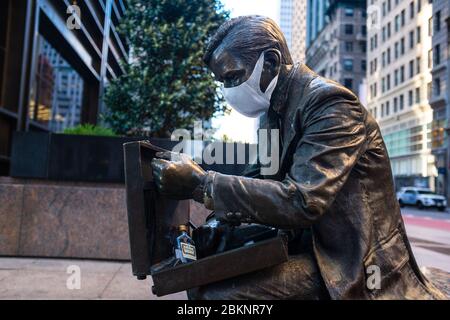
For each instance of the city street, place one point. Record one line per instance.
(29, 278)
(429, 233)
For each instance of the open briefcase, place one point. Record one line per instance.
(152, 220)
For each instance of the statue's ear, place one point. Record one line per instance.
(272, 65)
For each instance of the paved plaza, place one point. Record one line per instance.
(33, 278)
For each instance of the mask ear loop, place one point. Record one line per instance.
(273, 83)
(254, 80)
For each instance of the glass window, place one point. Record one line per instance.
(438, 134)
(397, 23)
(348, 29)
(437, 21)
(348, 83)
(430, 59)
(437, 87)
(437, 54)
(348, 46)
(429, 90)
(364, 31)
(404, 141)
(363, 46)
(411, 10)
(411, 39)
(411, 68)
(57, 91)
(425, 192)
(410, 98)
(349, 11)
(348, 64)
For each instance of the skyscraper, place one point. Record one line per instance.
(338, 51)
(399, 82)
(316, 19)
(293, 25)
(286, 13)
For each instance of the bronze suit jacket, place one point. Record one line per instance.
(335, 178)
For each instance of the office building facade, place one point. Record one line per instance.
(293, 25)
(339, 50)
(399, 86)
(55, 59)
(316, 19)
(440, 95)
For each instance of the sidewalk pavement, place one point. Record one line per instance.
(29, 278)
(34, 278)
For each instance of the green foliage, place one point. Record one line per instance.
(166, 85)
(90, 130)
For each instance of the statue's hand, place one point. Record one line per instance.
(176, 175)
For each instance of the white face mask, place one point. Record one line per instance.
(247, 98)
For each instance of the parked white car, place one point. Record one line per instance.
(421, 197)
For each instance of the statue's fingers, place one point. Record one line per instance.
(158, 180)
(159, 164)
(157, 175)
(168, 155)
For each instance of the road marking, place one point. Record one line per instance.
(427, 222)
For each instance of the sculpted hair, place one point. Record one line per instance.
(248, 36)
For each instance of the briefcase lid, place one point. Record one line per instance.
(152, 219)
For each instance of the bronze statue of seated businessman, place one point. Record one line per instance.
(333, 195)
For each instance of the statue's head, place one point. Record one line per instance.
(246, 55)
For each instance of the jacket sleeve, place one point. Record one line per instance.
(333, 135)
